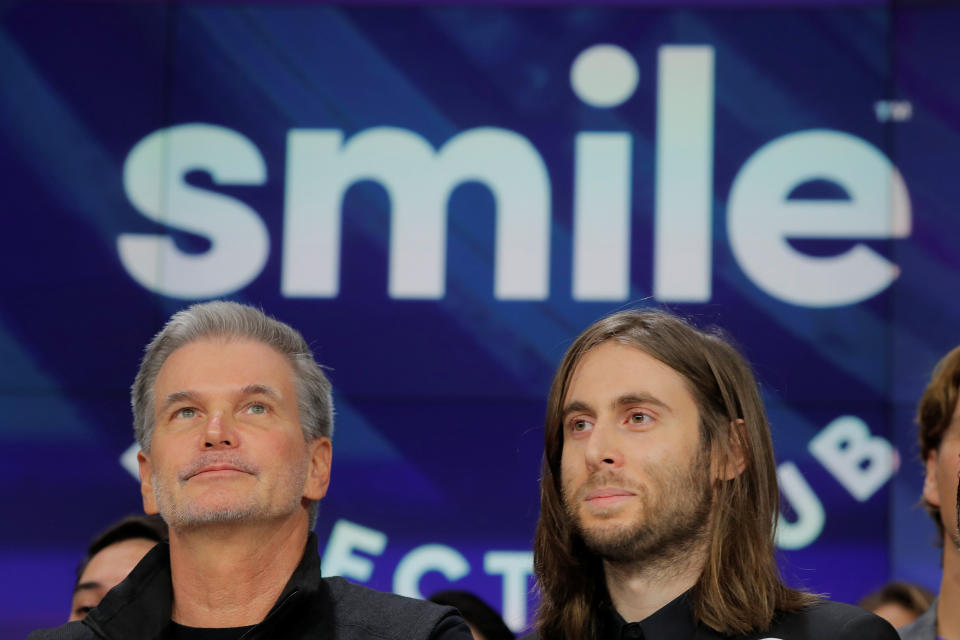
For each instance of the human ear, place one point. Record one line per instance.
(931, 486)
(146, 483)
(736, 461)
(318, 471)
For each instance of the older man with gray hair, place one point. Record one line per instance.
(234, 419)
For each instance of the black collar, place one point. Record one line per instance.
(673, 621)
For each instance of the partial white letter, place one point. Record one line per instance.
(760, 218)
(862, 463)
(515, 567)
(682, 247)
(428, 557)
(345, 538)
(601, 217)
(810, 514)
(153, 180)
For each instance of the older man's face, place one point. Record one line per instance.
(227, 443)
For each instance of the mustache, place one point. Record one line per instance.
(220, 458)
(607, 478)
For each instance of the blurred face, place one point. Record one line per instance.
(940, 483)
(106, 569)
(227, 445)
(634, 481)
(896, 614)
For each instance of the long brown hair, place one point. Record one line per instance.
(740, 587)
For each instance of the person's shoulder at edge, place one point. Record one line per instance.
(69, 631)
(369, 609)
(825, 619)
(828, 619)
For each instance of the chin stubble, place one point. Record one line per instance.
(188, 513)
(673, 523)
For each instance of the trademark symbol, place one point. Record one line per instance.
(893, 110)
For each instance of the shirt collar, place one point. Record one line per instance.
(673, 621)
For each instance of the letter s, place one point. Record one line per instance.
(153, 181)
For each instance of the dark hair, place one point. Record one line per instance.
(911, 597)
(935, 412)
(740, 587)
(150, 527)
(476, 612)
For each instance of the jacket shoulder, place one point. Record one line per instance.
(366, 613)
(833, 620)
(69, 631)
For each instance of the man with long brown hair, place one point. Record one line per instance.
(658, 496)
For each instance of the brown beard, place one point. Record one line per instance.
(674, 519)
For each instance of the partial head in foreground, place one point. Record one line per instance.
(484, 622)
(234, 418)
(657, 452)
(110, 558)
(899, 603)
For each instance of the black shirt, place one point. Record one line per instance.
(821, 621)
(179, 632)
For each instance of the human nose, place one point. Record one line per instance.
(603, 448)
(220, 432)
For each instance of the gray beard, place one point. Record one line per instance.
(188, 514)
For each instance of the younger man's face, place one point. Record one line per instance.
(634, 479)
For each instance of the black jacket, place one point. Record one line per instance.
(824, 620)
(309, 607)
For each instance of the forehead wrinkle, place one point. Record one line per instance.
(261, 390)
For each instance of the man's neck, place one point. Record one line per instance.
(231, 575)
(638, 590)
(948, 616)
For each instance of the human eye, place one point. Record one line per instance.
(185, 412)
(82, 608)
(580, 425)
(256, 408)
(640, 417)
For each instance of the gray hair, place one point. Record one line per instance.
(222, 319)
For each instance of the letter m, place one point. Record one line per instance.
(418, 181)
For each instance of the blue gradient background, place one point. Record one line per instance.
(440, 403)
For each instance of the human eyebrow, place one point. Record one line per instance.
(639, 398)
(177, 397)
(83, 586)
(574, 407)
